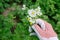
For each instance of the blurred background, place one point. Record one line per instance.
(13, 25)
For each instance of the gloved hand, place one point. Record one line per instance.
(45, 31)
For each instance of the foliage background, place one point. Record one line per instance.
(13, 21)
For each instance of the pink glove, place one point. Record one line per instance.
(46, 34)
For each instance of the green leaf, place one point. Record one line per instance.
(1, 5)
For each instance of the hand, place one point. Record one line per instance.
(47, 33)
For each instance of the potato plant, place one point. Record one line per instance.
(13, 20)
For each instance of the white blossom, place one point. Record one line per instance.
(24, 7)
(38, 11)
(38, 7)
(32, 13)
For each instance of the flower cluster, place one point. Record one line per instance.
(33, 13)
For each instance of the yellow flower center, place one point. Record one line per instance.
(33, 13)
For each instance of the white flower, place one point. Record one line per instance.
(39, 7)
(24, 7)
(32, 13)
(38, 11)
